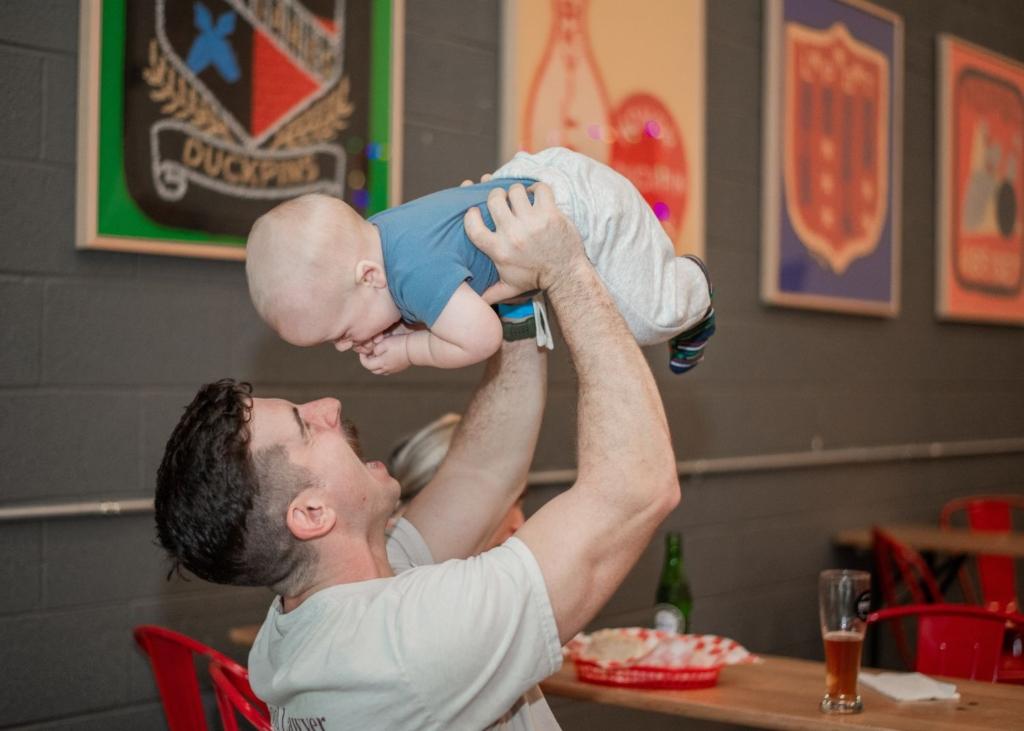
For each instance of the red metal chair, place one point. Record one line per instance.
(956, 640)
(901, 575)
(996, 574)
(231, 683)
(172, 656)
(915, 577)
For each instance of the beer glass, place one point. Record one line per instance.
(844, 599)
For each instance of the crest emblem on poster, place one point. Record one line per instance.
(835, 143)
(293, 59)
(238, 105)
(196, 117)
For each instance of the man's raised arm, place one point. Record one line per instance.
(587, 539)
(486, 467)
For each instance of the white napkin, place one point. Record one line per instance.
(910, 686)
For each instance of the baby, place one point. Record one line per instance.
(320, 273)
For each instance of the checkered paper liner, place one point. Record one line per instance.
(664, 660)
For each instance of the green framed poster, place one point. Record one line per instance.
(197, 116)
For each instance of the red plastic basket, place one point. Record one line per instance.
(642, 676)
(658, 666)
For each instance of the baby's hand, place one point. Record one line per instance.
(367, 347)
(399, 329)
(389, 355)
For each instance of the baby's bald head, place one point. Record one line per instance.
(300, 259)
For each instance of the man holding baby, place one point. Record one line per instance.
(377, 631)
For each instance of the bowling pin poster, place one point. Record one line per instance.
(622, 82)
(198, 116)
(980, 206)
(833, 100)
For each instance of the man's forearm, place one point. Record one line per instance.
(500, 426)
(489, 458)
(624, 441)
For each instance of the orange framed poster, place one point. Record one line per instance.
(620, 82)
(980, 206)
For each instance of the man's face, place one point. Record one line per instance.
(316, 438)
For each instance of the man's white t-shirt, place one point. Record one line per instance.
(438, 646)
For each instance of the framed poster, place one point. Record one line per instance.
(620, 82)
(197, 116)
(980, 201)
(833, 110)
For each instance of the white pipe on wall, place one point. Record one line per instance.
(693, 467)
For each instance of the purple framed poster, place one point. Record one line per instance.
(832, 156)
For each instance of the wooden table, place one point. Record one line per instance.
(941, 540)
(244, 635)
(783, 693)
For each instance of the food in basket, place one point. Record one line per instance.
(645, 658)
(613, 645)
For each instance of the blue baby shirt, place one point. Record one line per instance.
(427, 253)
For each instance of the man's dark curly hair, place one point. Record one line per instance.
(220, 510)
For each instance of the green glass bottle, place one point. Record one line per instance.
(673, 599)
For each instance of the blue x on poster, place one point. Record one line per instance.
(832, 156)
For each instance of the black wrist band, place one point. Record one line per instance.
(517, 321)
(521, 330)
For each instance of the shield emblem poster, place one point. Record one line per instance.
(980, 202)
(197, 116)
(832, 162)
(621, 82)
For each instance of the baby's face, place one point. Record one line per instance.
(345, 322)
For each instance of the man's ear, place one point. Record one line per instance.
(371, 273)
(309, 516)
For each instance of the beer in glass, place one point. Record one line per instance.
(844, 600)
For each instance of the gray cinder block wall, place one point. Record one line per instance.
(100, 351)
